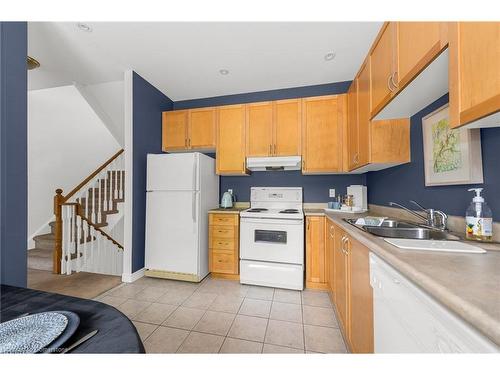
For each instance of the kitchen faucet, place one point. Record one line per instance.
(435, 219)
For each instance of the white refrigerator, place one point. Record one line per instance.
(181, 188)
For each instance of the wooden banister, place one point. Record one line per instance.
(80, 212)
(60, 200)
(91, 176)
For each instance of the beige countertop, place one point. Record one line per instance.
(467, 284)
(314, 212)
(232, 210)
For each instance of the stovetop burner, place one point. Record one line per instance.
(289, 211)
(257, 210)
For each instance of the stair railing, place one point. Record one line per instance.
(80, 243)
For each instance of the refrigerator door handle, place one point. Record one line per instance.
(194, 207)
(195, 173)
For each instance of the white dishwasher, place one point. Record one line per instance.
(408, 320)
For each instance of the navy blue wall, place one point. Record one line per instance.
(262, 96)
(315, 187)
(13, 153)
(405, 182)
(148, 104)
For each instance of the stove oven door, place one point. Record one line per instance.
(272, 240)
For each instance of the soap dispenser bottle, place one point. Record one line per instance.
(478, 219)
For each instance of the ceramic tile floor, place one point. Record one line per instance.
(222, 316)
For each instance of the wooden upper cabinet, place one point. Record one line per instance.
(287, 127)
(418, 44)
(174, 130)
(230, 150)
(474, 74)
(192, 129)
(352, 126)
(364, 136)
(361, 298)
(383, 68)
(322, 122)
(201, 130)
(316, 257)
(259, 128)
(390, 141)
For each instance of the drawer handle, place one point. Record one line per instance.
(222, 231)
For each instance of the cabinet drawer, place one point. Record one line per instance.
(223, 219)
(222, 262)
(222, 231)
(222, 244)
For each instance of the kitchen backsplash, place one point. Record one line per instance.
(315, 187)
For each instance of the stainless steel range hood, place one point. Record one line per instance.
(274, 163)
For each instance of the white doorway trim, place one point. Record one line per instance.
(129, 162)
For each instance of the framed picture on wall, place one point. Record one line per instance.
(451, 156)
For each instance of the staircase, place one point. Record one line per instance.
(80, 238)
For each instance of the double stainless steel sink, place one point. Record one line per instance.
(403, 229)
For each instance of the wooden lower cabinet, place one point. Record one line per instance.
(360, 298)
(341, 281)
(316, 259)
(223, 239)
(349, 285)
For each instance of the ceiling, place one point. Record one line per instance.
(184, 59)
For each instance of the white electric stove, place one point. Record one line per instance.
(272, 238)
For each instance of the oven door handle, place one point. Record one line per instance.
(266, 222)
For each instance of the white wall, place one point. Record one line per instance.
(66, 142)
(107, 101)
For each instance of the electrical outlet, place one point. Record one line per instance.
(332, 193)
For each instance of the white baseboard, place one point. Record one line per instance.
(131, 277)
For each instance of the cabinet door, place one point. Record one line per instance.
(287, 127)
(475, 51)
(361, 299)
(316, 265)
(322, 134)
(230, 149)
(382, 69)
(202, 128)
(341, 293)
(259, 129)
(418, 44)
(390, 141)
(330, 243)
(352, 126)
(174, 130)
(364, 135)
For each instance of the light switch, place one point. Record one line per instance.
(332, 193)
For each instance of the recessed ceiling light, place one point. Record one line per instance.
(84, 27)
(330, 56)
(224, 72)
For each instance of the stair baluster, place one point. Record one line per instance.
(80, 243)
